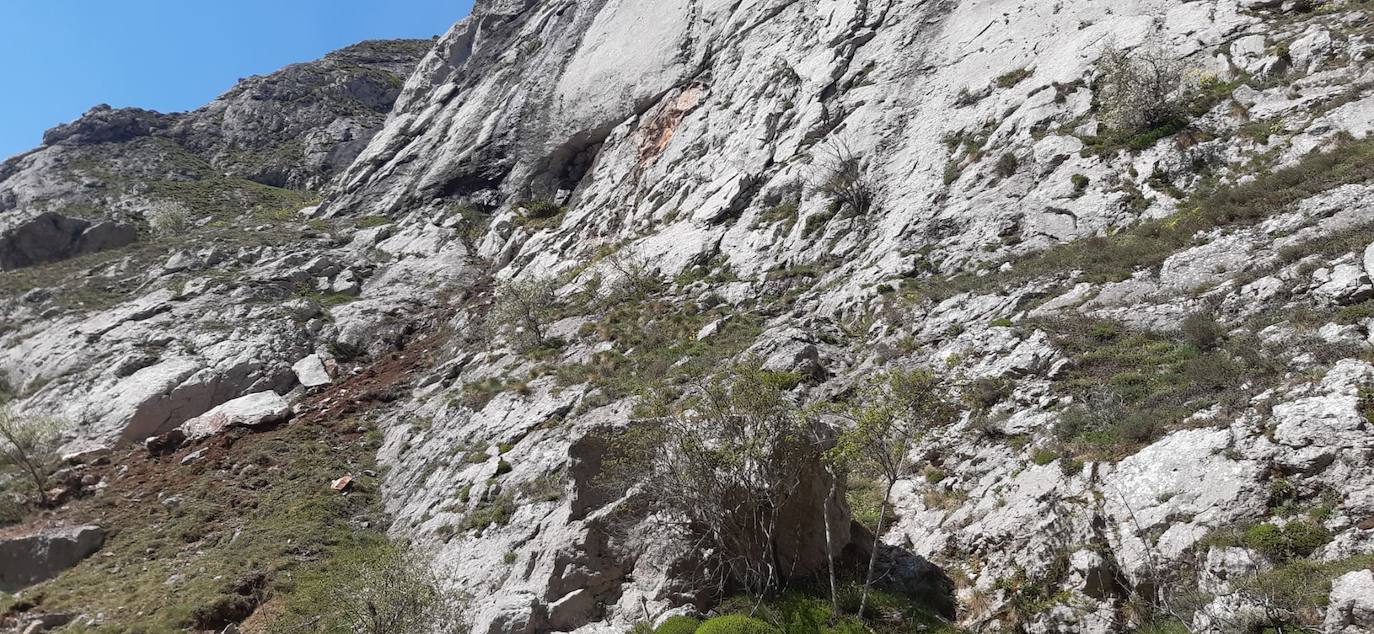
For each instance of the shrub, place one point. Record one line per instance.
(1296, 592)
(1140, 90)
(736, 624)
(379, 589)
(678, 625)
(844, 180)
(722, 463)
(523, 309)
(1007, 80)
(1044, 456)
(986, 392)
(1202, 331)
(540, 209)
(1298, 538)
(28, 451)
(1080, 184)
(497, 511)
(169, 219)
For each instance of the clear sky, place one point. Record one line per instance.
(60, 57)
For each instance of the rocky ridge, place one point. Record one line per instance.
(1163, 339)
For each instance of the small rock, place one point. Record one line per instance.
(342, 484)
(194, 456)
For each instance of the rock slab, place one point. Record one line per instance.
(30, 559)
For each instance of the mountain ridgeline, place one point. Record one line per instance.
(784, 316)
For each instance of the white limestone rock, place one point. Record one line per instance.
(253, 410)
(311, 372)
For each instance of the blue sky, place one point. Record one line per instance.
(63, 56)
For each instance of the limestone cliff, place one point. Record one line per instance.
(1161, 332)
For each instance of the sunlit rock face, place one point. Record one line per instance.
(991, 225)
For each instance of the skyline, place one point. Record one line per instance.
(172, 56)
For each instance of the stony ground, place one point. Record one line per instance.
(1160, 338)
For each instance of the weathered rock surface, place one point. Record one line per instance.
(603, 144)
(29, 559)
(1352, 604)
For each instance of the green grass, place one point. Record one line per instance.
(1299, 589)
(660, 338)
(223, 533)
(1007, 80)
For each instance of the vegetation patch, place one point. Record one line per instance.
(1133, 385)
(1147, 244)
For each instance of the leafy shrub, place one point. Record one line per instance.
(986, 392)
(1140, 90)
(169, 219)
(28, 451)
(1296, 592)
(1080, 184)
(736, 624)
(1298, 538)
(523, 310)
(678, 625)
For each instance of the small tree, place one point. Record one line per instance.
(1141, 89)
(378, 589)
(523, 310)
(28, 450)
(895, 412)
(724, 465)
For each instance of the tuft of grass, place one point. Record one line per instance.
(1007, 80)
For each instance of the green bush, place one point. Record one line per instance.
(679, 625)
(736, 624)
(1298, 538)
(1080, 184)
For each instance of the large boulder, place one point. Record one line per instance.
(50, 237)
(254, 410)
(30, 559)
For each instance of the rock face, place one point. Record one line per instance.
(1159, 337)
(30, 559)
(1352, 604)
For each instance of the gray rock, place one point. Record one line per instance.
(1350, 609)
(1345, 284)
(29, 559)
